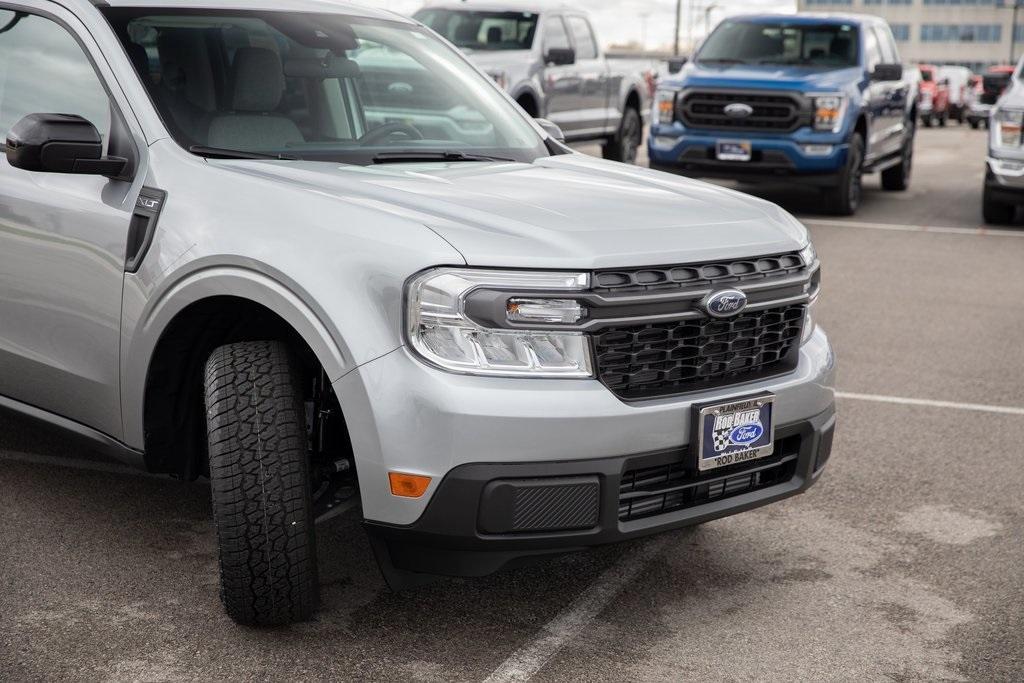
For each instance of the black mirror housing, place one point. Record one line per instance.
(560, 56)
(60, 143)
(887, 72)
(676, 64)
(551, 129)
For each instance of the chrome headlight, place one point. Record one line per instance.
(442, 333)
(665, 105)
(1006, 128)
(829, 110)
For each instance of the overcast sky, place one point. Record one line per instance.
(620, 21)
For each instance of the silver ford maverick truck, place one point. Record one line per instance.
(308, 251)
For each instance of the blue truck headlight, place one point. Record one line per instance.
(665, 105)
(829, 110)
(441, 333)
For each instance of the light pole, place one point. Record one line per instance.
(707, 18)
(1013, 31)
(679, 19)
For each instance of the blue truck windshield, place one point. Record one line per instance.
(746, 42)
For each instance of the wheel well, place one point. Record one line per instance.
(633, 100)
(174, 415)
(528, 102)
(862, 128)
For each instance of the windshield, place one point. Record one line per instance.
(317, 86)
(746, 42)
(471, 30)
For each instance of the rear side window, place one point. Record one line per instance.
(586, 46)
(43, 70)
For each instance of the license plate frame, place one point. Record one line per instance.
(716, 425)
(734, 150)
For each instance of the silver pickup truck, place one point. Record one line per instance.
(549, 59)
(308, 251)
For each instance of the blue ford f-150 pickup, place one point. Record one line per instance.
(816, 99)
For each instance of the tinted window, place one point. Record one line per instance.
(888, 45)
(483, 30)
(873, 53)
(555, 35)
(748, 42)
(586, 46)
(44, 70)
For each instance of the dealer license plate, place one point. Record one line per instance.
(739, 431)
(733, 150)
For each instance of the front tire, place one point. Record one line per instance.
(625, 145)
(975, 124)
(844, 199)
(995, 212)
(259, 476)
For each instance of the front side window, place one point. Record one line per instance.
(832, 46)
(43, 70)
(586, 46)
(317, 86)
(471, 30)
(555, 36)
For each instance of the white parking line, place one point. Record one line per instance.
(897, 227)
(979, 407)
(524, 663)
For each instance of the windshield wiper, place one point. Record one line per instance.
(398, 157)
(222, 153)
(721, 60)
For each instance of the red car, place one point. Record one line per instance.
(933, 97)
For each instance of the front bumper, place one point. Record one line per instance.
(469, 529)
(1004, 180)
(405, 416)
(979, 112)
(774, 157)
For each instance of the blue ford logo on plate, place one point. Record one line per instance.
(745, 434)
(725, 304)
(738, 110)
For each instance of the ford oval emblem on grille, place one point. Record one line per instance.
(726, 303)
(738, 110)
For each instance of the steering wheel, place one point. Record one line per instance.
(382, 133)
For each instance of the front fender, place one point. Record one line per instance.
(202, 280)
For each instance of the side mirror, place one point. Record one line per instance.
(676, 64)
(551, 129)
(887, 72)
(60, 143)
(560, 56)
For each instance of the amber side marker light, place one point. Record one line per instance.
(408, 485)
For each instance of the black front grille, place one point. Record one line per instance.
(700, 109)
(650, 491)
(704, 275)
(658, 359)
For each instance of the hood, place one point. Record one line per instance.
(568, 211)
(766, 77)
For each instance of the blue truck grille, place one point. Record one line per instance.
(769, 112)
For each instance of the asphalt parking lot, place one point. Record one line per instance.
(904, 563)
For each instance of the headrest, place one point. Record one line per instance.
(494, 34)
(321, 68)
(258, 80)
